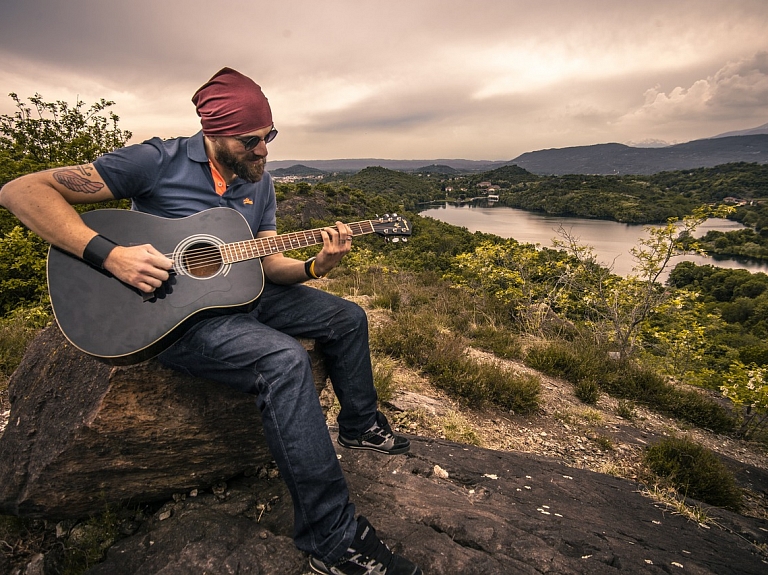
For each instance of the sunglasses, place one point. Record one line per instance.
(250, 143)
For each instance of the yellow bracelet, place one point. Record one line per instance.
(312, 270)
(309, 269)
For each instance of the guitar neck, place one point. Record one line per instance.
(260, 247)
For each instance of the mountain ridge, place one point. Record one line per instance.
(749, 146)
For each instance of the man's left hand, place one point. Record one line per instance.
(336, 244)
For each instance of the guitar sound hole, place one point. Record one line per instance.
(202, 260)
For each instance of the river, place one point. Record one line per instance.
(611, 241)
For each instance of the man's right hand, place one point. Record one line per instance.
(142, 267)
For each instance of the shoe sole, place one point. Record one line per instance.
(398, 451)
(417, 570)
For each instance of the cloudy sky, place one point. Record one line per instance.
(406, 79)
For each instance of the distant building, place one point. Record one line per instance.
(294, 179)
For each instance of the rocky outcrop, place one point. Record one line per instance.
(455, 510)
(83, 435)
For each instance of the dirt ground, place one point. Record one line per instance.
(584, 436)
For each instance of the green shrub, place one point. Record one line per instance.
(587, 391)
(500, 342)
(694, 471)
(643, 385)
(388, 299)
(22, 269)
(626, 409)
(16, 331)
(574, 361)
(424, 343)
(383, 376)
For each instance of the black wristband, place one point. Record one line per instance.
(308, 268)
(97, 251)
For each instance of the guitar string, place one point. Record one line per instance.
(212, 255)
(212, 251)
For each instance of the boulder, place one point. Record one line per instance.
(83, 434)
(454, 509)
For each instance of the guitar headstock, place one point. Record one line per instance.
(393, 228)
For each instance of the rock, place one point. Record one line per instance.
(83, 435)
(408, 400)
(205, 541)
(496, 513)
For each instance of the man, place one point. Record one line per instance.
(256, 352)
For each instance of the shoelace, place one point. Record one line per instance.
(372, 548)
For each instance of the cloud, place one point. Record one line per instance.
(736, 91)
(741, 85)
(451, 78)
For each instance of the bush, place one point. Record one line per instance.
(694, 471)
(626, 409)
(642, 385)
(575, 361)
(16, 331)
(22, 269)
(384, 377)
(498, 341)
(588, 391)
(427, 345)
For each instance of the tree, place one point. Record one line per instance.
(50, 134)
(747, 387)
(617, 306)
(38, 137)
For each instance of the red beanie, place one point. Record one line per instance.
(230, 104)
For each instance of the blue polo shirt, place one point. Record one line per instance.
(172, 179)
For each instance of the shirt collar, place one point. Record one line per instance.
(196, 148)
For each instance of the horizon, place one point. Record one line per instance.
(763, 130)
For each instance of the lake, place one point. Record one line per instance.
(611, 241)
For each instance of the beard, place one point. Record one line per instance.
(251, 170)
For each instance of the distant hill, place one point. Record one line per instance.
(355, 165)
(606, 159)
(751, 132)
(296, 170)
(601, 159)
(438, 169)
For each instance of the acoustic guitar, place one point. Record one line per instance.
(216, 269)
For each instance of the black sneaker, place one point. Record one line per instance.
(378, 438)
(367, 555)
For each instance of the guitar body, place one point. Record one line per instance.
(108, 319)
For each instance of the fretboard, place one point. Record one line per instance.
(260, 247)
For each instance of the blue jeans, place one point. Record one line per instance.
(256, 353)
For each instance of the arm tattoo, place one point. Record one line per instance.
(76, 179)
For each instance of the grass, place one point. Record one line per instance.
(582, 363)
(16, 332)
(431, 347)
(72, 548)
(694, 471)
(671, 499)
